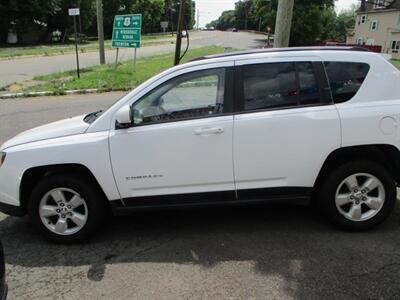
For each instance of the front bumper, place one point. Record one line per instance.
(12, 210)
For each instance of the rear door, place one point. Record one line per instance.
(285, 127)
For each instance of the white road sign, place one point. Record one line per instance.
(73, 11)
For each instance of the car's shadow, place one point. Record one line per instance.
(281, 240)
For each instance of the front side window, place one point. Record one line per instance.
(276, 85)
(193, 95)
(345, 79)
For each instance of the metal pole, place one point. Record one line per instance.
(100, 30)
(179, 33)
(76, 48)
(198, 18)
(283, 23)
(134, 61)
(116, 58)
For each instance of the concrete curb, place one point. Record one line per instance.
(49, 93)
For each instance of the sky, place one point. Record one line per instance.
(212, 9)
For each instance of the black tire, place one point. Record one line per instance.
(87, 189)
(330, 184)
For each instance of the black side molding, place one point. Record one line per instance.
(12, 210)
(299, 195)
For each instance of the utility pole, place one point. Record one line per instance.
(198, 18)
(100, 30)
(283, 23)
(179, 33)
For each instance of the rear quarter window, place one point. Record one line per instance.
(345, 79)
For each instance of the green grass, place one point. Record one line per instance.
(396, 63)
(57, 49)
(109, 78)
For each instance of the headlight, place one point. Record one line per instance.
(2, 157)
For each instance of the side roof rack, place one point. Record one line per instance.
(277, 50)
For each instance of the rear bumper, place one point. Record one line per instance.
(12, 210)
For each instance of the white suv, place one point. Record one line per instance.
(316, 124)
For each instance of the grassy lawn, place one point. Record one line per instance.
(57, 49)
(109, 78)
(396, 63)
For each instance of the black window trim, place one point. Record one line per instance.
(228, 101)
(321, 77)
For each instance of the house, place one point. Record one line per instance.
(378, 24)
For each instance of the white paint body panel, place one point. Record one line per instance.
(283, 147)
(263, 149)
(179, 160)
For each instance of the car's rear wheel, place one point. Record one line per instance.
(66, 209)
(358, 195)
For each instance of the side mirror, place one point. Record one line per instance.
(123, 117)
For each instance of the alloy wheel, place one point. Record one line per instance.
(360, 197)
(63, 211)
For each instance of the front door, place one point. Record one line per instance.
(180, 143)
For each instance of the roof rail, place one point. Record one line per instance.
(276, 50)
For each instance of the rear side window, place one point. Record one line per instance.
(345, 79)
(275, 85)
(308, 87)
(269, 85)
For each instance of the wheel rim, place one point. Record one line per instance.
(63, 211)
(360, 197)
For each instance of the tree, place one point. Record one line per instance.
(225, 21)
(343, 22)
(310, 18)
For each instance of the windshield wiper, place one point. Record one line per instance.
(90, 118)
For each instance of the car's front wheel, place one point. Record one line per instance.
(358, 195)
(66, 209)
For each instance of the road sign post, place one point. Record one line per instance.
(127, 33)
(164, 25)
(75, 12)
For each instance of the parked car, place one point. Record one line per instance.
(3, 284)
(234, 30)
(312, 124)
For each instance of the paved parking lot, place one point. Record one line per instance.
(265, 252)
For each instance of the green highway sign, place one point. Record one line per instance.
(127, 31)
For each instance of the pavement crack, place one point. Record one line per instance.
(373, 272)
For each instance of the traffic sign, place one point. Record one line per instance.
(73, 12)
(164, 25)
(127, 31)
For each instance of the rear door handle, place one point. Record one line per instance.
(208, 130)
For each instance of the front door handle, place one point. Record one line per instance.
(208, 130)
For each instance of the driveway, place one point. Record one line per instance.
(264, 252)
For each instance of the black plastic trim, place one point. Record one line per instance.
(221, 198)
(322, 78)
(12, 210)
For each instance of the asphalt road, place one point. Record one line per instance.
(26, 68)
(264, 252)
